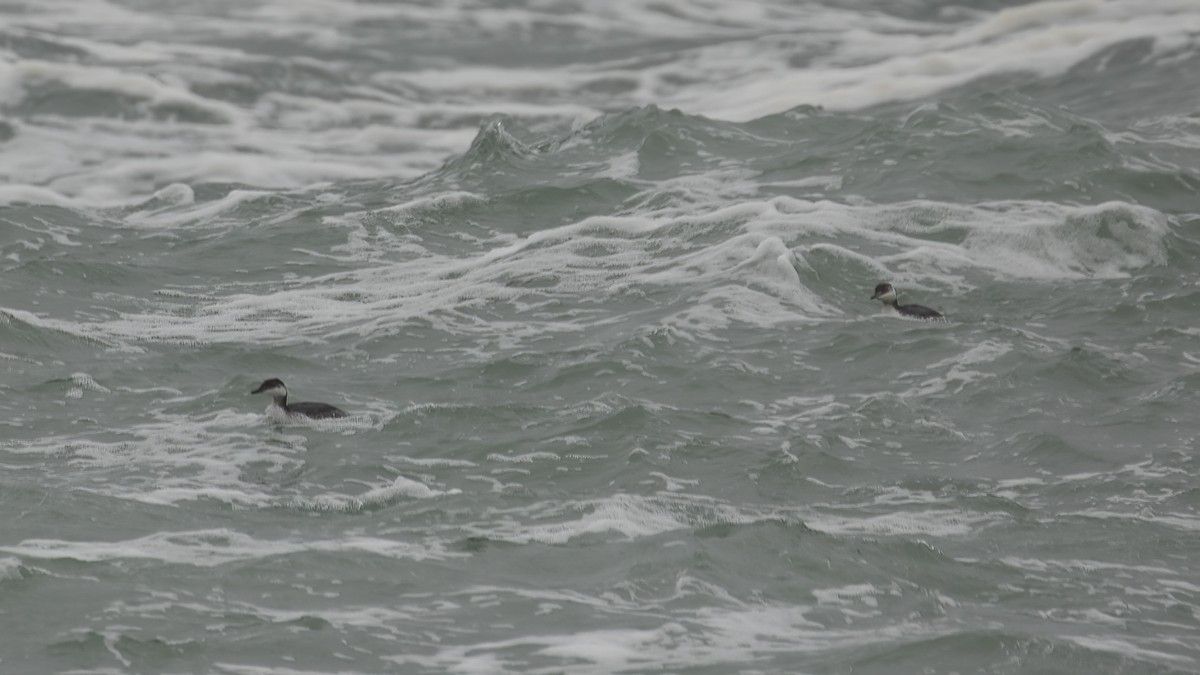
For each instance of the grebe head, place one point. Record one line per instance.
(273, 387)
(883, 292)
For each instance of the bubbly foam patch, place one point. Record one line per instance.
(932, 522)
(751, 278)
(400, 489)
(757, 272)
(626, 516)
(869, 64)
(224, 456)
(1108, 643)
(207, 548)
(10, 569)
(957, 373)
(81, 382)
(159, 103)
(1028, 240)
(701, 638)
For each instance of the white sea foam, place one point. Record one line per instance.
(1042, 565)
(748, 277)
(206, 548)
(176, 123)
(1031, 240)
(22, 73)
(81, 382)
(201, 459)
(525, 458)
(623, 515)
(932, 523)
(752, 279)
(703, 638)
(958, 374)
(177, 458)
(757, 272)
(377, 497)
(848, 595)
(1125, 648)
(243, 669)
(634, 516)
(1178, 521)
(10, 569)
(198, 130)
(672, 484)
(866, 67)
(432, 461)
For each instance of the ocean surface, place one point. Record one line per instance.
(592, 279)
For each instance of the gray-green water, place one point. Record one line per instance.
(593, 281)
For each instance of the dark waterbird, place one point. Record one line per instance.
(318, 411)
(886, 293)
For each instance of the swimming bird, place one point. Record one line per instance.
(886, 293)
(316, 411)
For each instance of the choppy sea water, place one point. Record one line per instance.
(593, 280)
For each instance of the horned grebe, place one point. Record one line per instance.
(886, 294)
(317, 411)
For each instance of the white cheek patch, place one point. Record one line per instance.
(274, 412)
(274, 392)
(890, 296)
